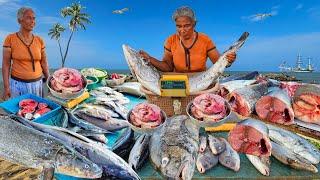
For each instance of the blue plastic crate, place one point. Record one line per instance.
(12, 106)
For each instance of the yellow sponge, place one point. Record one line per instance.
(223, 127)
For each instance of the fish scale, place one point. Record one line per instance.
(34, 149)
(174, 147)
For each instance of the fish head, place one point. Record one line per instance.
(73, 164)
(178, 167)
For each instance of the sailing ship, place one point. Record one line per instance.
(299, 66)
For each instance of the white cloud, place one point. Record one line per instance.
(299, 6)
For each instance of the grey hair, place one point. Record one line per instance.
(184, 11)
(22, 10)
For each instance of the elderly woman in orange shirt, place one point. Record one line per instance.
(24, 65)
(187, 50)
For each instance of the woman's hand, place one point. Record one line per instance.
(6, 94)
(145, 55)
(231, 57)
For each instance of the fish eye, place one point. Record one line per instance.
(86, 166)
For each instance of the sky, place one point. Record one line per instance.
(292, 28)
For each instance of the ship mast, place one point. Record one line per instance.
(299, 62)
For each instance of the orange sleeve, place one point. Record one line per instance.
(42, 43)
(7, 42)
(167, 44)
(210, 45)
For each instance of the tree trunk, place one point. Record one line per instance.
(62, 63)
(66, 53)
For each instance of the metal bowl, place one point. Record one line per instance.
(116, 82)
(207, 122)
(67, 95)
(146, 130)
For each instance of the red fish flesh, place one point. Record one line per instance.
(244, 99)
(306, 104)
(146, 115)
(250, 137)
(276, 107)
(209, 106)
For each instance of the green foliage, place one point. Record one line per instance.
(78, 20)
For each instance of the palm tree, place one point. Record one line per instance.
(78, 20)
(55, 33)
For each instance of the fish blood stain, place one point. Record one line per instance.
(263, 148)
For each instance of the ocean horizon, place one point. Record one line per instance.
(313, 77)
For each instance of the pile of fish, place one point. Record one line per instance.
(106, 94)
(31, 109)
(149, 76)
(209, 107)
(259, 141)
(174, 148)
(146, 115)
(66, 80)
(272, 100)
(35, 149)
(108, 164)
(213, 150)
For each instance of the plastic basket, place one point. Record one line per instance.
(12, 106)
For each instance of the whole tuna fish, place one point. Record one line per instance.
(294, 143)
(306, 104)
(276, 107)
(112, 165)
(250, 137)
(286, 156)
(262, 164)
(244, 99)
(34, 149)
(229, 157)
(149, 76)
(140, 152)
(174, 148)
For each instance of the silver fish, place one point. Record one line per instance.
(229, 158)
(203, 143)
(294, 143)
(174, 148)
(262, 164)
(203, 80)
(132, 88)
(35, 149)
(139, 150)
(227, 87)
(206, 160)
(149, 76)
(112, 124)
(113, 166)
(286, 156)
(146, 74)
(216, 145)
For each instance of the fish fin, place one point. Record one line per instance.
(47, 173)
